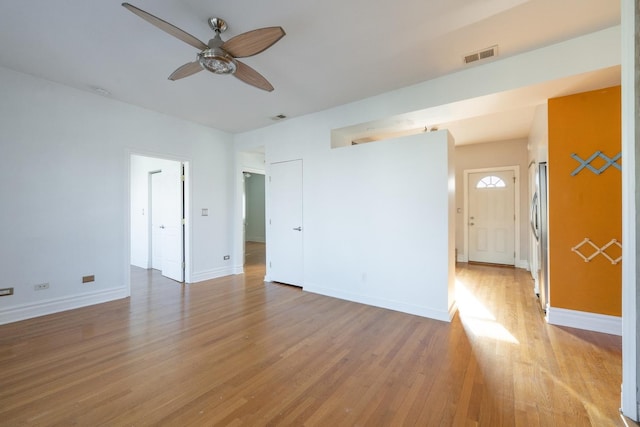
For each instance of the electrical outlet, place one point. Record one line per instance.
(226, 257)
(40, 286)
(87, 279)
(5, 292)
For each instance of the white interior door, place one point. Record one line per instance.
(491, 219)
(284, 245)
(172, 230)
(156, 220)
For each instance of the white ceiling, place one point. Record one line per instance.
(497, 117)
(335, 51)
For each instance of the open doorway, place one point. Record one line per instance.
(254, 218)
(158, 203)
(251, 231)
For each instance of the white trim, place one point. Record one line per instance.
(453, 310)
(253, 170)
(584, 320)
(126, 244)
(629, 63)
(417, 310)
(516, 231)
(239, 246)
(201, 276)
(43, 308)
(150, 217)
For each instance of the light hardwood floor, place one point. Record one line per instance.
(237, 351)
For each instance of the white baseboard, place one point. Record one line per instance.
(201, 276)
(238, 269)
(42, 308)
(453, 309)
(432, 313)
(584, 320)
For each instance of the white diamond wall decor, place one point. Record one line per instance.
(609, 161)
(598, 250)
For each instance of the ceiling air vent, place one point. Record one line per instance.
(481, 54)
(279, 117)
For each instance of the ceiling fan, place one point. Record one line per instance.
(219, 56)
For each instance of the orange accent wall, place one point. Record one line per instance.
(584, 205)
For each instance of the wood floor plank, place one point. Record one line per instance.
(238, 351)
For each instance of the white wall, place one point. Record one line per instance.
(378, 218)
(489, 155)
(377, 223)
(308, 137)
(251, 161)
(65, 157)
(538, 144)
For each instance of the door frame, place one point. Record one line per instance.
(516, 238)
(244, 205)
(186, 204)
(243, 165)
(149, 217)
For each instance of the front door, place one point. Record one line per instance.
(285, 239)
(491, 218)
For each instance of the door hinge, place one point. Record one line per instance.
(514, 179)
(269, 264)
(183, 221)
(182, 177)
(269, 178)
(183, 265)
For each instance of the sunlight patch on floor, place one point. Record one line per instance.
(478, 319)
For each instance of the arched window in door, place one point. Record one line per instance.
(491, 181)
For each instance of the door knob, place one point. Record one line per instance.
(471, 223)
(298, 228)
(162, 226)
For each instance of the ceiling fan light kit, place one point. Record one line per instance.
(218, 56)
(217, 61)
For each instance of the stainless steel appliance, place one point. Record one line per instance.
(539, 231)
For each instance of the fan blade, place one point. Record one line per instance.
(253, 42)
(186, 70)
(252, 77)
(166, 27)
